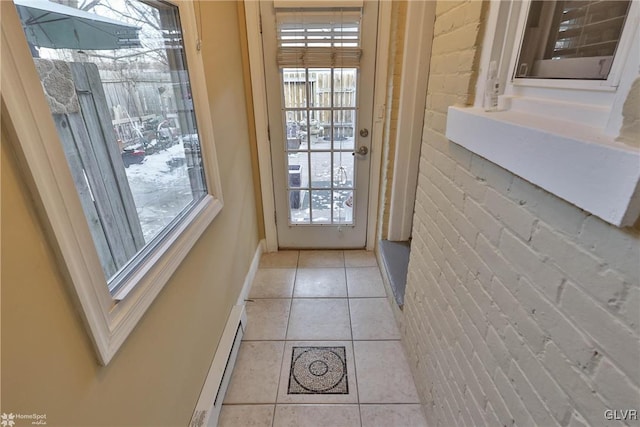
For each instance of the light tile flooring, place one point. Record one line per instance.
(324, 299)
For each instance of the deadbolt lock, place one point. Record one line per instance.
(364, 132)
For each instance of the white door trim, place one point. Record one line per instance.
(379, 100)
(259, 93)
(413, 94)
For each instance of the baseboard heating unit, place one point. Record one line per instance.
(215, 386)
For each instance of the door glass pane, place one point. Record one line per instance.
(320, 118)
(321, 170)
(321, 206)
(299, 207)
(116, 80)
(343, 207)
(320, 85)
(344, 129)
(317, 132)
(344, 87)
(294, 87)
(343, 171)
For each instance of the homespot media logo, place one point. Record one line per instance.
(10, 420)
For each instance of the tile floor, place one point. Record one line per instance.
(320, 299)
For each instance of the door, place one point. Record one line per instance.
(319, 70)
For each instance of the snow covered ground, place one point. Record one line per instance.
(161, 189)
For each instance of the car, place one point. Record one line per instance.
(131, 155)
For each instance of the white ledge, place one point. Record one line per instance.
(577, 163)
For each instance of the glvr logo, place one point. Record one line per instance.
(7, 420)
(621, 414)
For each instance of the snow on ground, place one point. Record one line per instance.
(161, 189)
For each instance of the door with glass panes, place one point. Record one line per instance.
(319, 71)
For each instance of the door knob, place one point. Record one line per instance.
(362, 150)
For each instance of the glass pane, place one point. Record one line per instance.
(320, 87)
(299, 207)
(343, 207)
(298, 167)
(119, 93)
(321, 170)
(344, 87)
(318, 130)
(343, 172)
(321, 204)
(571, 40)
(294, 87)
(344, 129)
(293, 130)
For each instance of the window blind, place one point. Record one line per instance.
(588, 28)
(318, 38)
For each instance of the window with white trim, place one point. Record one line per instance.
(115, 131)
(558, 126)
(571, 39)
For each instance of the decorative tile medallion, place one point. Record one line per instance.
(318, 370)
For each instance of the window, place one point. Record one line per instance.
(571, 39)
(125, 168)
(552, 114)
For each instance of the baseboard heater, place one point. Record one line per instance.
(215, 386)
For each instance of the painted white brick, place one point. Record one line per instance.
(618, 246)
(499, 265)
(579, 265)
(483, 220)
(498, 349)
(494, 398)
(545, 385)
(619, 342)
(479, 344)
(616, 387)
(535, 407)
(555, 212)
(511, 398)
(468, 183)
(630, 310)
(476, 265)
(556, 325)
(494, 176)
(515, 217)
(541, 274)
(519, 318)
(467, 230)
(577, 421)
(583, 395)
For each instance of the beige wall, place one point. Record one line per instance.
(48, 363)
(520, 309)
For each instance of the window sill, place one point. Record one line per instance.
(577, 163)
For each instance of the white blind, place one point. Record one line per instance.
(318, 38)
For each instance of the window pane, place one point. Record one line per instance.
(571, 39)
(117, 84)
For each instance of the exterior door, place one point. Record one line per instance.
(319, 70)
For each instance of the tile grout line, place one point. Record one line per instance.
(353, 348)
(284, 346)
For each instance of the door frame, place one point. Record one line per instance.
(418, 37)
(259, 93)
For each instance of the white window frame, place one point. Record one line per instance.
(558, 134)
(109, 319)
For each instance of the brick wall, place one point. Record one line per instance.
(521, 309)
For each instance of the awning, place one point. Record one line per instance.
(52, 25)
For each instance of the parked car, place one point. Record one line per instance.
(131, 155)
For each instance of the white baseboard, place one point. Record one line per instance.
(251, 274)
(215, 386)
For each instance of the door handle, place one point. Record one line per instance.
(362, 150)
